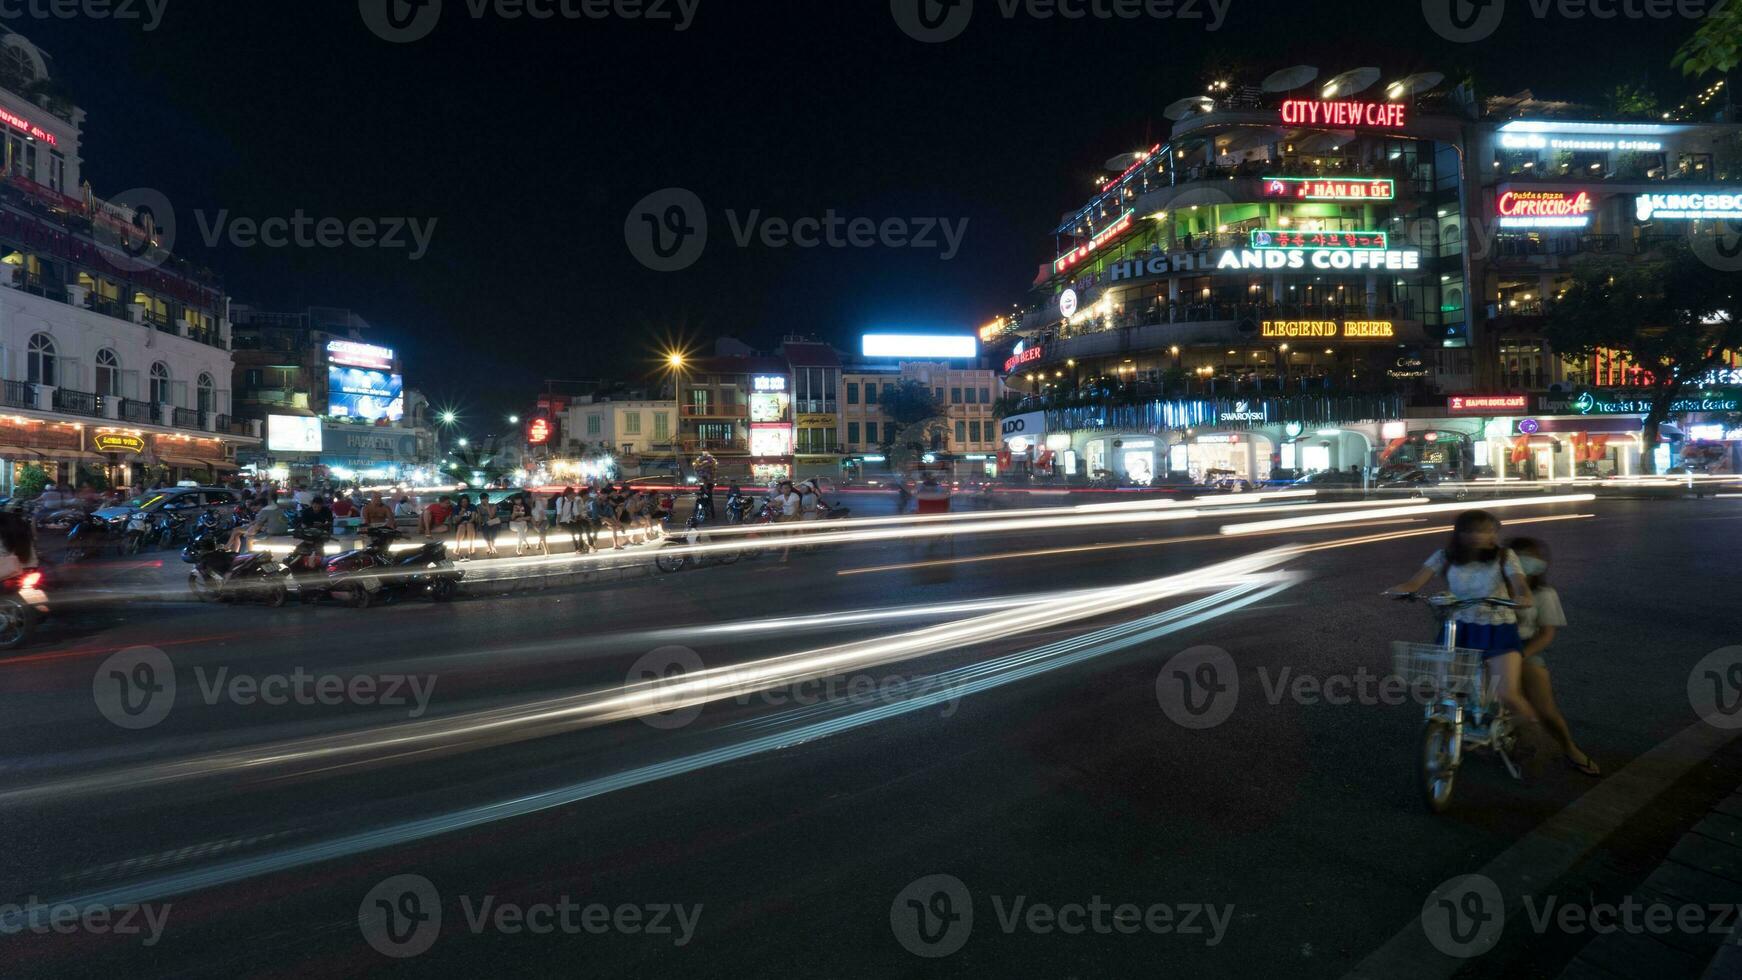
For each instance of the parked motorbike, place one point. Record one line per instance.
(694, 532)
(89, 534)
(225, 576)
(23, 604)
(207, 537)
(375, 572)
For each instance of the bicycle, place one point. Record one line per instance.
(695, 533)
(1463, 711)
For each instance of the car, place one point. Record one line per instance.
(189, 500)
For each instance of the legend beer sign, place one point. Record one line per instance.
(1544, 209)
(1356, 331)
(1344, 113)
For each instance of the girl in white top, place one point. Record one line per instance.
(1538, 626)
(1475, 566)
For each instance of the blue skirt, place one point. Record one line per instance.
(1492, 639)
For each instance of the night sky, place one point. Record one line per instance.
(528, 141)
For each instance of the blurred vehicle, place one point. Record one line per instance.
(187, 501)
(23, 604)
(374, 572)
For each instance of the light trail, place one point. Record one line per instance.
(1078, 549)
(430, 737)
(1322, 520)
(1003, 671)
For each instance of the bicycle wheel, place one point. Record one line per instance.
(1437, 769)
(669, 562)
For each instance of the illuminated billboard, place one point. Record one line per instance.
(770, 440)
(1330, 188)
(292, 434)
(350, 353)
(918, 346)
(1545, 209)
(358, 393)
(768, 406)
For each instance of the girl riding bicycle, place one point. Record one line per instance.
(1475, 567)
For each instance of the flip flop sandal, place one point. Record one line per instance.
(1589, 767)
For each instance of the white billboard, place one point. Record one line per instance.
(292, 434)
(921, 346)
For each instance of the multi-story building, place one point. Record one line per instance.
(1304, 264)
(966, 394)
(115, 353)
(640, 433)
(332, 405)
(737, 407)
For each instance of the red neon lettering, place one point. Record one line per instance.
(1544, 204)
(1347, 113)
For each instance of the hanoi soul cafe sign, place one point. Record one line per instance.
(1342, 113)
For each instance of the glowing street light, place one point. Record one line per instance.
(513, 420)
(463, 441)
(449, 418)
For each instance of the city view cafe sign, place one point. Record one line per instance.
(1285, 261)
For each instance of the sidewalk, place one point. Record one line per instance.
(1704, 869)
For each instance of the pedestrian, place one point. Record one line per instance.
(568, 517)
(1476, 567)
(590, 515)
(404, 509)
(539, 520)
(901, 496)
(464, 521)
(489, 523)
(1538, 625)
(787, 504)
(519, 519)
(376, 513)
(317, 516)
(435, 517)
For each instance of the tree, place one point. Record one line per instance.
(31, 479)
(1716, 46)
(917, 424)
(1629, 100)
(1674, 317)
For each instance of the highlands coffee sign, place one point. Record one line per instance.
(1269, 259)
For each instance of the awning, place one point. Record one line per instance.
(183, 461)
(219, 464)
(73, 454)
(10, 451)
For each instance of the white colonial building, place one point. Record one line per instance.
(114, 354)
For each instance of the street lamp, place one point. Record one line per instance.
(513, 420)
(463, 441)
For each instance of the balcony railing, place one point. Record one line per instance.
(1519, 246)
(716, 445)
(186, 418)
(19, 394)
(76, 402)
(716, 411)
(134, 410)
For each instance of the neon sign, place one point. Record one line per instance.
(36, 132)
(1025, 356)
(350, 353)
(769, 382)
(1590, 402)
(1688, 207)
(538, 432)
(1313, 240)
(1485, 404)
(1312, 112)
(1329, 329)
(1323, 260)
(1321, 189)
(1511, 141)
(1545, 209)
(1103, 236)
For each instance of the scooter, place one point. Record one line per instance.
(376, 572)
(23, 604)
(225, 576)
(90, 534)
(206, 538)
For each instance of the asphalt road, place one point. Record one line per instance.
(1030, 755)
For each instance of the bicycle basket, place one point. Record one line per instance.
(1431, 667)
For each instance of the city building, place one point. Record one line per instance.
(1330, 273)
(966, 392)
(638, 435)
(115, 353)
(737, 407)
(333, 406)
